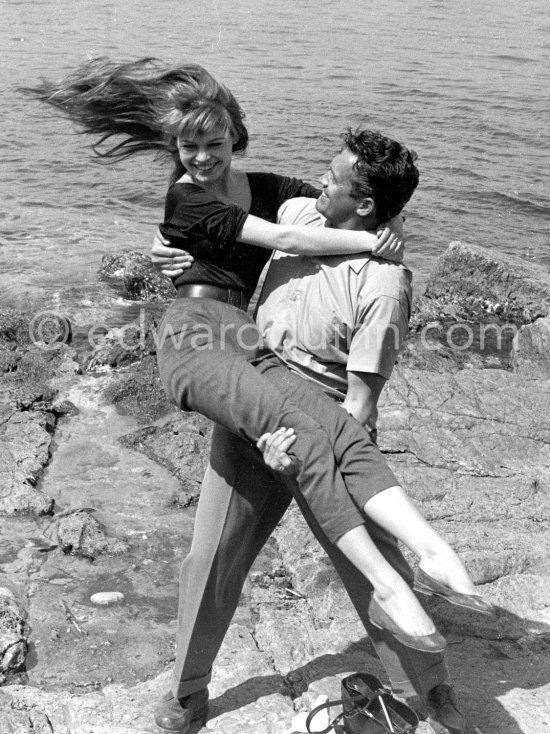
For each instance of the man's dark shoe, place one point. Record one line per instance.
(438, 712)
(176, 714)
(443, 709)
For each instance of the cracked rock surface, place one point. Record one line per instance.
(468, 436)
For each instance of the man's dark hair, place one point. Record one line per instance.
(384, 170)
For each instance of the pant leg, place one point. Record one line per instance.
(204, 367)
(240, 504)
(343, 430)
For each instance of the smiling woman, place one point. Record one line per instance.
(206, 156)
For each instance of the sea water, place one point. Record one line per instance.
(464, 84)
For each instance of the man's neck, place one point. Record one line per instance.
(353, 225)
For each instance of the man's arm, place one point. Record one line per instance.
(361, 399)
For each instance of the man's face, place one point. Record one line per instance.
(336, 202)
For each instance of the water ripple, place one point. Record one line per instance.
(466, 88)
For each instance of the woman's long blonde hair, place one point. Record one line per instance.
(147, 103)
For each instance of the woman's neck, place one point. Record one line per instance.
(232, 188)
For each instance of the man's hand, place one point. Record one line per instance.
(274, 447)
(169, 260)
(391, 240)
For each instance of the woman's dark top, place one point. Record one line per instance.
(208, 229)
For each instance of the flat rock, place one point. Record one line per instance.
(17, 495)
(27, 415)
(18, 718)
(531, 355)
(28, 435)
(13, 635)
(181, 444)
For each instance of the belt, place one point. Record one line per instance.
(203, 290)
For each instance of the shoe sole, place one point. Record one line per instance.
(429, 592)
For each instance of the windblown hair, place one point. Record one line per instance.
(146, 102)
(385, 171)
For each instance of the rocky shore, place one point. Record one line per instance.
(99, 479)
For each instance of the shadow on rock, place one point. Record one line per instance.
(489, 670)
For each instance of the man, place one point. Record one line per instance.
(337, 322)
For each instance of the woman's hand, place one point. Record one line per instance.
(391, 240)
(274, 447)
(169, 260)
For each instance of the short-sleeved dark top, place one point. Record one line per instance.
(208, 229)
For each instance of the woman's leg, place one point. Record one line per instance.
(390, 508)
(204, 364)
(393, 510)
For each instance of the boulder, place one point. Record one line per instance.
(472, 282)
(139, 392)
(137, 276)
(80, 534)
(14, 329)
(122, 347)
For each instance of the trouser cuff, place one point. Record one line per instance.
(182, 688)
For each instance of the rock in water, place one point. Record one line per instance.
(140, 279)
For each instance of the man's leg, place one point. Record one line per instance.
(240, 504)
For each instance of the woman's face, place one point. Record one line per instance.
(206, 156)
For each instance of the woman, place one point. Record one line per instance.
(208, 352)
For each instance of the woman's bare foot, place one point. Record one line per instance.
(447, 568)
(399, 612)
(401, 605)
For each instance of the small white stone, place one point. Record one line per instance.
(321, 722)
(103, 598)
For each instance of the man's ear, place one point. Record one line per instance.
(366, 207)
